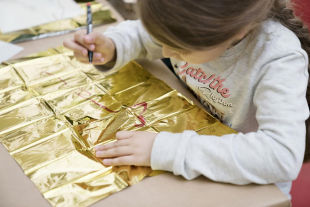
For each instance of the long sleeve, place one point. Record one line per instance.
(273, 153)
(132, 42)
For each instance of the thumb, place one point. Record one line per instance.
(94, 38)
(124, 134)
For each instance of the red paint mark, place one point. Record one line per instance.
(140, 116)
(142, 120)
(144, 104)
(62, 80)
(95, 102)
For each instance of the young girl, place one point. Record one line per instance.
(241, 53)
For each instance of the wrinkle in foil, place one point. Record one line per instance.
(54, 110)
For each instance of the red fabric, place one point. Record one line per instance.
(301, 188)
(302, 9)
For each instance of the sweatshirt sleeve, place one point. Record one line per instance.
(132, 41)
(273, 153)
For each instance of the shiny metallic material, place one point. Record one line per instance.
(54, 110)
(101, 15)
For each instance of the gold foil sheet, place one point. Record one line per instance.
(43, 69)
(101, 15)
(54, 110)
(22, 114)
(12, 90)
(9, 79)
(14, 96)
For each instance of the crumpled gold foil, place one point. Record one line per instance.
(101, 15)
(54, 110)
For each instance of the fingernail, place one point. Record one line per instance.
(92, 47)
(105, 162)
(96, 148)
(101, 59)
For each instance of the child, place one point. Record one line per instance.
(247, 66)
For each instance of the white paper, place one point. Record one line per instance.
(22, 14)
(8, 50)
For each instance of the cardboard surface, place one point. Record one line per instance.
(16, 190)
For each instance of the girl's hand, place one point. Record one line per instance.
(103, 47)
(130, 148)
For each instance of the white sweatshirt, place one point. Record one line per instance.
(257, 87)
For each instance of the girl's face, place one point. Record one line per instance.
(198, 56)
(205, 55)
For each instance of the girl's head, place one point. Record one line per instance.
(199, 31)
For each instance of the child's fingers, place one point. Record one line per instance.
(71, 44)
(80, 58)
(99, 42)
(124, 134)
(125, 160)
(93, 62)
(114, 152)
(111, 145)
(97, 58)
(79, 37)
(94, 38)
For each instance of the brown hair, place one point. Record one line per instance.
(196, 24)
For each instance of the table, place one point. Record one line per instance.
(16, 190)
